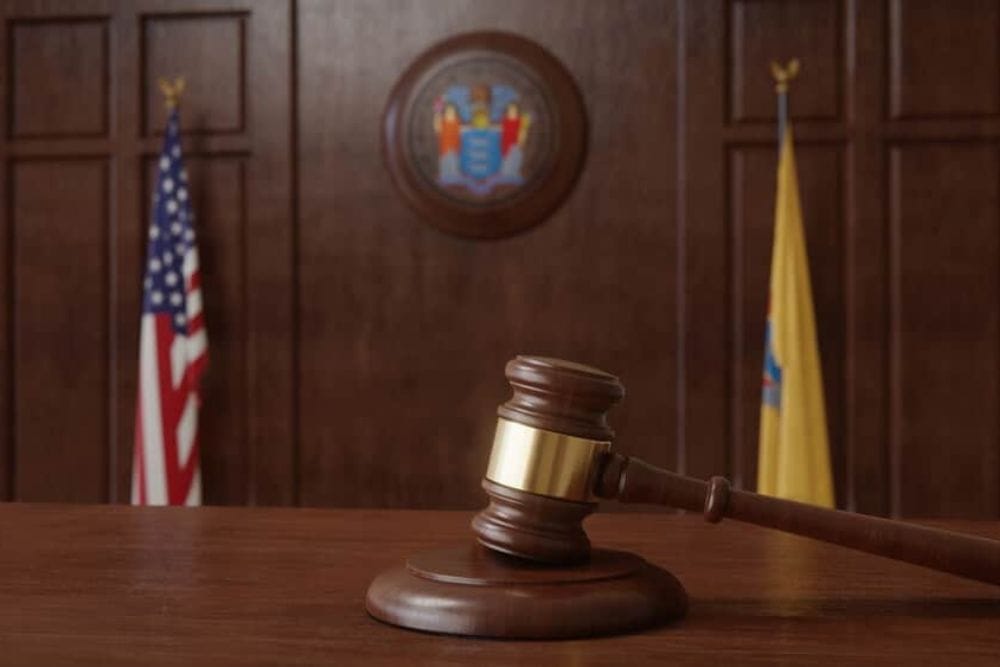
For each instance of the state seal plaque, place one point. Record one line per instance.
(484, 134)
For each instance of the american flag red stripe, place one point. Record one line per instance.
(172, 344)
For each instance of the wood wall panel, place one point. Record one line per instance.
(59, 77)
(866, 246)
(238, 142)
(8, 476)
(131, 218)
(219, 196)
(726, 283)
(945, 58)
(271, 238)
(209, 49)
(405, 331)
(702, 219)
(60, 295)
(762, 31)
(944, 220)
(357, 354)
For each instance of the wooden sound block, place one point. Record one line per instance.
(471, 590)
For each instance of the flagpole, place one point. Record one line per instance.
(782, 77)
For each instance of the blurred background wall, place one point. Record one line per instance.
(357, 354)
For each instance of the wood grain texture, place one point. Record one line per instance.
(218, 193)
(402, 327)
(945, 360)
(634, 481)
(705, 419)
(7, 472)
(930, 43)
(59, 77)
(882, 338)
(209, 50)
(271, 287)
(363, 365)
(61, 280)
(102, 585)
(866, 250)
(476, 592)
(74, 100)
(762, 32)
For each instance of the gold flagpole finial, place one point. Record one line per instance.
(783, 75)
(171, 91)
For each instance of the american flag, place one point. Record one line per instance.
(172, 343)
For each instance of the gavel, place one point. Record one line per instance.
(552, 461)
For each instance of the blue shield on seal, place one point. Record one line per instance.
(480, 154)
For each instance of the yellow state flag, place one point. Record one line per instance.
(794, 454)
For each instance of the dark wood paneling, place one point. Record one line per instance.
(405, 331)
(59, 73)
(7, 472)
(944, 216)
(60, 232)
(72, 59)
(704, 352)
(209, 50)
(764, 31)
(729, 238)
(357, 354)
(944, 58)
(133, 206)
(270, 236)
(866, 312)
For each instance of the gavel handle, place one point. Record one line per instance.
(631, 480)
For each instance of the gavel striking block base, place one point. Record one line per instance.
(471, 590)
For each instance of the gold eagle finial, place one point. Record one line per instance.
(171, 91)
(783, 75)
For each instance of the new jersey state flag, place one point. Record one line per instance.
(794, 454)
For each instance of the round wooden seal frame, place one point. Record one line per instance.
(484, 134)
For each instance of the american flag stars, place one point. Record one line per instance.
(171, 236)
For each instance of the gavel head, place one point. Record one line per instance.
(551, 442)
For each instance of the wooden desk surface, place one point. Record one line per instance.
(217, 586)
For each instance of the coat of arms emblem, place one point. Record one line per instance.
(484, 134)
(481, 133)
